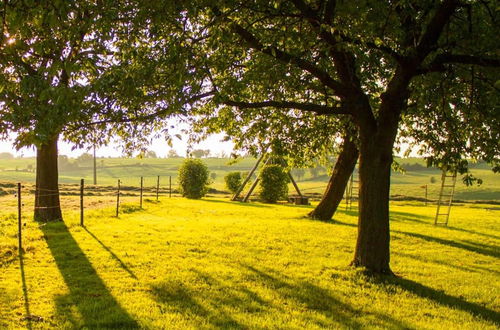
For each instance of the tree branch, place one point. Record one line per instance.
(467, 59)
(144, 118)
(329, 12)
(285, 57)
(311, 107)
(333, 38)
(437, 65)
(435, 28)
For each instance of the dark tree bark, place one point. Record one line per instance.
(47, 204)
(338, 181)
(375, 159)
(372, 246)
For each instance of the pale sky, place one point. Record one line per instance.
(158, 145)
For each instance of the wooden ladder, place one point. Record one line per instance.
(445, 198)
(351, 192)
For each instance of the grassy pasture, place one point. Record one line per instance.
(129, 171)
(215, 264)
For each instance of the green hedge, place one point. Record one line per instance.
(193, 178)
(273, 184)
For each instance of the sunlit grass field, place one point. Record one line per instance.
(129, 170)
(186, 264)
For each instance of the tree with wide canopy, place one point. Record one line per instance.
(70, 66)
(369, 62)
(76, 70)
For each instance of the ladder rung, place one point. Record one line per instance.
(442, 214)
(450, 176)
(448, 185)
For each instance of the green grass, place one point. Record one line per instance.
(215, 264)
(129, 171)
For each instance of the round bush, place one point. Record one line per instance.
(193, 178)
(273, 184)
(233, 181)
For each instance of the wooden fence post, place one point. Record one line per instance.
(142, 183)
(82, 182)
(170, 186)
(425, 195)
(157, 187)
(118, 198)
(19, 218)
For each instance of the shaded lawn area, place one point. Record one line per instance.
(217, 264)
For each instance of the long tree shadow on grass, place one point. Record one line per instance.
(430, 221)
(338, 222)
(486, 250)
(96, 306)
(113, 255)
(443, 299)
(207, 299)
(434, 261)
(28, 315)
(472, 232)
(405, 216)
(239, 203)
(320, 300)
(178, 297)
(395, 216)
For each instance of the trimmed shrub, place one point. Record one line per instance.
(213, 176)
(273, 184)
(233, 181)
(193, 178)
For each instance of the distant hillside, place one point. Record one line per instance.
(311, 181)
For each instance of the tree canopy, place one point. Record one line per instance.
(290, 73)
(78, 70)
(375, 63)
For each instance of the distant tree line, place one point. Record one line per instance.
(6, 155)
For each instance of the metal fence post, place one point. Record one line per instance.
(157, 187)
(118, 198)
(19, 218)
(142, 183)
(82, 182)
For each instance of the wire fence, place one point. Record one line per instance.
(41, 199)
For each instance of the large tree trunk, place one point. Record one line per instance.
(375, 161)
(47, 205)
(338, 181)
(372, 247)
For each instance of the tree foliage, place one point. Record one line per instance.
(370, 63)
(81, 70)
(200, 153)
(273, 183)
(294, 76)
(193, 178)
(233, 181)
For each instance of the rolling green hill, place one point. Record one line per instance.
(129, 171)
